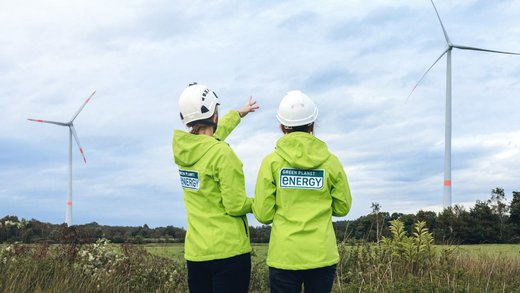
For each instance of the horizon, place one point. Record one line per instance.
(467, 207)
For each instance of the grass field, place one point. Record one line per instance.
(507, 250)
(462, 268)
(176, 251)
(398, 266)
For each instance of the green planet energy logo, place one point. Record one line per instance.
(189, 179)
(297, 178)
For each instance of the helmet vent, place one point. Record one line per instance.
(182, 117)
(203, 109)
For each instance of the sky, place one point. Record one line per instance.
(358, 60)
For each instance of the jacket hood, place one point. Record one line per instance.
(302, 150)
(189, 148)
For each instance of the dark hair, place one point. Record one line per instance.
(302, 128)
(203, 122)
(197, 125)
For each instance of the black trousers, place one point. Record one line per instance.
(314, 280)
(229, 275)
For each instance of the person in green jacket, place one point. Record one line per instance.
(300, 186)
(217, 248)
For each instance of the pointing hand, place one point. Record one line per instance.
(250, 106)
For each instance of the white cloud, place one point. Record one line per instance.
(357, 59)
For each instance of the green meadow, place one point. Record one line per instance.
(505, 250)
(175, 251)
(398, 263)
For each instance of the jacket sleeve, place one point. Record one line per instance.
(340, 191)
(231, 183)
(265, 194)
(226, 125)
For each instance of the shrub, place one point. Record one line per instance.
(98, 267)
(410, 263)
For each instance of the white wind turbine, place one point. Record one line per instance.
(72, 132)
(447, 133)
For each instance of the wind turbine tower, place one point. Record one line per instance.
(447, 132)
(72, 132)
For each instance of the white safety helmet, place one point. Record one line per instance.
(197, 102)
(296, 109)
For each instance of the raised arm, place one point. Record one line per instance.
(230, 121)
(227, 124)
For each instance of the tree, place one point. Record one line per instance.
(452, 225)
(514, 217)
(363, 228)
(376, 207)
(484, 224)
(499, 208)
(429, 217)
(260, 234)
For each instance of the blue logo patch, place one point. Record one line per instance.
(297, 178)
(189, 179)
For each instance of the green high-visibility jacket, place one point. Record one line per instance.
(300, 186)
(214, 193)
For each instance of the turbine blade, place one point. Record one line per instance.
(442, 25)
(424, 75)
(484, 50)
(81, 108)
(77, 142)
(46, 121)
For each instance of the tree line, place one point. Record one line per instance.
(32, 231)
(495, 220)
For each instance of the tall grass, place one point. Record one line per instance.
(404, 263)
(95, 267)
(400, 263)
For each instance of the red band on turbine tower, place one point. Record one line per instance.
(447, 182)
(69, 203)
